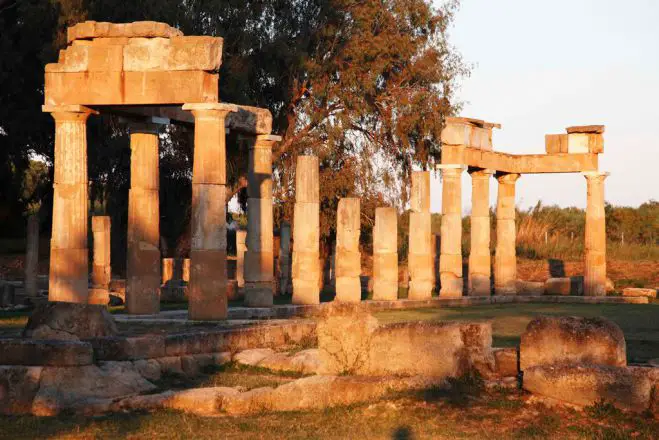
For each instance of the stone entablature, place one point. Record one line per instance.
(134, 63)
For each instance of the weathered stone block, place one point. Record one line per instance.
(569, 339)
(68, 321)
(627, 388)
(207, 298)
(633, 291)
(556, 143)
(307, 180)
(194, 53)
(456, 133)
(385, 267)
(209, 217)
(506, 361)
(419, 234)
(347, 264)
(45, 352)
(305, 266)
(306, 231)
(348, 289)
(385, 232)
(420, 192)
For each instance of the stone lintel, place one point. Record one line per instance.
(451, 166)
(528, 163)
(268, 138)
(481, 172)
(471, 121)
(69, 108)
(598, 129)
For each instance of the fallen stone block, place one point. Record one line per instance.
(200, 401)
(637, 292)
(253, 356)
(62, 388)
(148, 369)
(529, 287)
(69, 321)
(570, 339)
(45, 352)
(628, 388)
(18, 386)
(564, 286)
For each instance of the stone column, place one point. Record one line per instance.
(480, 266)
(69, 265)
(143, 256)
(32, 256)
(259, 258)
(595, 239)
(450, 261)
(185, 270)
(241, 247)
(347, 261)
(207, 291)
(101, 269)
(284, 257)
(167, 272)
(307, 272)
(385, 255)
(419, 259)
(505, 259)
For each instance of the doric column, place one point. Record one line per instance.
(505, 258)
(419, 259)
(307, 272)
(32, 256)
(479, 255)
(207, 290)
(259, 259)
(167, 273)
(143, 256)
(284, 257)
(450, 260)
(241, 247)
(347, 256)
(101, 269)
(595, 240)
(69, 266)
(385, 255)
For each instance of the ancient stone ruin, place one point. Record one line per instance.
(71, 356)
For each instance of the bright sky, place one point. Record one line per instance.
(541, 66)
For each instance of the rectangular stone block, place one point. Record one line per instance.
(348, 289)
(420, 289)
(258, 266)
(305, 292)
(451, 263)
(143, 281)
(307, 187)
(306, 233)
(208, 221)
(451, 285)
(456, 133)
(207, 296)
(69, 216)
(385, 232)
(385, 290)
(19, 386)
(420, 193)
(451, 228)
(556, 143)
(420, 267)
(130, 88)
(306, 266)
(143, 54)
(479, 285)
(209, 165)
(578, 143)
(348, 225)
(143, 218)
(385, 267)
(67, 280)
(420, 233)
(481, 138)
(259, 225)
(347, 264)
(195, 53)
(37, 352)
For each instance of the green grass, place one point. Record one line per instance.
(638, 322)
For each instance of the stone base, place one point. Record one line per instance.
(420, 289)
(451, 285)
(348, 289)
(207, 291)
(305, 292)
(385, 290)
(68, 321)
(258, 294)
(479, 285)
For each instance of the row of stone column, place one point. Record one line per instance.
(420, 252)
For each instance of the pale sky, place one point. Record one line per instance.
(541, 66)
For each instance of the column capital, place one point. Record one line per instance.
(265, 141)
(480, 173)
(210, 110)
(595, 176)
(72, 112)
(451, 170)
(509, 178)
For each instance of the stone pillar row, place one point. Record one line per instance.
(385, 255)
(505, 258)
(284, 258)
(32, 256)
(450, 261)
(480, 268)
(101, 268)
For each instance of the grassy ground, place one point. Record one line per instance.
(640, 323)
(466, 412)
